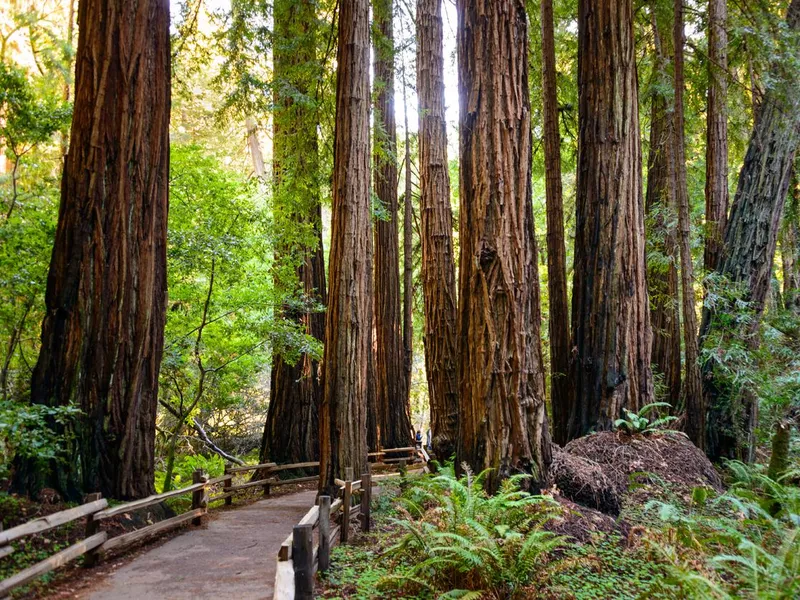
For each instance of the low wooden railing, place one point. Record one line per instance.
(96, 510)
(299, 558)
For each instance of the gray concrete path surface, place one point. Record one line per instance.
(233, 556)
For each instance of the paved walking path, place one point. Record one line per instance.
(233, 557)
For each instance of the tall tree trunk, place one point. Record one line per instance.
(716, 133)
(610, 317)
(393, 407)
(662, 274)
(561, 389)
(103, 331)
(408, 252)
(502, 419)
(790, 247)
(348, 331)
(692, 384)
(749, 251)
(438, 263)
(291, 429)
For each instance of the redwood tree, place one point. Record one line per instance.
(291, 430)
(348, 330)
(662, 272)
(102, 335)
(438, 264)
(502, 420)
(749, 250)
(716, 133)
(561, 389)
(790, 247)
(694, 424)
(610, 317)
(391, 384)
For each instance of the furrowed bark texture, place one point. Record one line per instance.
(392, 391)
(408, 253)
(662, 275)
(291, 432)
(749, 251)
(694, 425)
(790, 247)
(561, 389)
(502, 419)
(348, 325)
(610, 316)
(438, 263)
(716, 133)
(102, 335)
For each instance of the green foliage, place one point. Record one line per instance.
(747, 540)
(465, 542)
(639, 424)
(27, 118)
(25, 432)
(212, 465)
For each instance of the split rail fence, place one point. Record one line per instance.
(300, 556)
(96, 509)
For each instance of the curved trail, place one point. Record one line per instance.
(233, 556)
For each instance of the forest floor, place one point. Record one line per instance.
(236, 545)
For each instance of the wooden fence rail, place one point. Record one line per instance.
(288, 578)
(294, 576)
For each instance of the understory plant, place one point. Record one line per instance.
(461, 542)
(646, 420)
(744, 544)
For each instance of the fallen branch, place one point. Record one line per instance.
(207, 441)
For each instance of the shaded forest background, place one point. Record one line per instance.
(242, 256)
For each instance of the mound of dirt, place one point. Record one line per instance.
(596, 470)
(580, 522)
(584, 482)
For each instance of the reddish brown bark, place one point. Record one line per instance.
(392, 392)
(348, 329)
(438, 263)
(561, 389)
(291, 431)
(502, 420)
(716, 133)
(102, 335)
(662, 274)
(694, 424)
(610, 317)
(749, 251)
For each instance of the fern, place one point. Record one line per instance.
(467, 544)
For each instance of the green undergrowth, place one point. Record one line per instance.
(439, 536)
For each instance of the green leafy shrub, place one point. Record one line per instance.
(24, 432)
(640, 423)
(464, 543)
(750, 548)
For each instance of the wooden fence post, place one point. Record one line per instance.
(92, 527)
(324, 555)
(346, 502)
(366, 498)
(402, 465)
(303, 558)
(226, 485)
(199, 498)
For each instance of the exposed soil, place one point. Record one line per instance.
(597, 470)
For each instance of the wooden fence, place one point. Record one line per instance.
(299, 557)
(95, 510)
